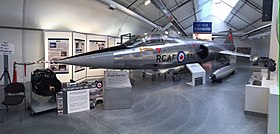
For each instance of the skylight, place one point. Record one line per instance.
(222, 8)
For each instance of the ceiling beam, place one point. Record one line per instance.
(190, 16)
(236, 11)
(251, 23)
(131, 4)
(253, 5)
(130, 13)
(195, 18)
(161, 6)
(172, 9)
(257, 29)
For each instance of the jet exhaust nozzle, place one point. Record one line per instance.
(212, 77)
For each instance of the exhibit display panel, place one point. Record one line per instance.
(79, 47)
(58, 45)
(117, 90)
(95, 42)
(79, 97)
(198, 74)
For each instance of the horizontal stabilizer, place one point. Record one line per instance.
(235, 53)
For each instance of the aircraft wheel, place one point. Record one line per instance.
(32, 113)
(220, 81)
(143, 75)
(176, 77)
(173, 78)
(153, 77)
(233, 73)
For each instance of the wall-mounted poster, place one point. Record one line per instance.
(58, 45)
(96, 42)
(96, 45)
(58, 48)
(79, 49)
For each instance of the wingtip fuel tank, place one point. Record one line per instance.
(219, 74)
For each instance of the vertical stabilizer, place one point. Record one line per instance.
(229, 40)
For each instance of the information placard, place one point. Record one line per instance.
(6, 48)
(77, 101)
(58, 48)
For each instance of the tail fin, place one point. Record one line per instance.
(229, 38)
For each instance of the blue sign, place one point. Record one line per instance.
(202, 27)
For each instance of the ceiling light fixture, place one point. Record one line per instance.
(147, 2)
(166, 32)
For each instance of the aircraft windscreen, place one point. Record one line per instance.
(135, 41)
(154, 39)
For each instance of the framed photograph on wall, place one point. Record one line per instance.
(58, 45)
(95, 42)
(79, 47)
(58, 48)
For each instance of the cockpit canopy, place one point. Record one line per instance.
(149, 40)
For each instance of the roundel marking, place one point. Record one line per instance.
(99, 85)
(181, 56)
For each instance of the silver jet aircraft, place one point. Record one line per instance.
(157, 52)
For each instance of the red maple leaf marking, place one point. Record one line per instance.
(181, 57)
(158, 50)
(230, 37)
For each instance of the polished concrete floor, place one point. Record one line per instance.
(159, 107)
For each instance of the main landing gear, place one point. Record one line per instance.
(175, 76)
(154, 75)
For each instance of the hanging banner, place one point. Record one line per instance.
(202, 27)
(202, 31)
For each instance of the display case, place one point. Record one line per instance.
(257, 93)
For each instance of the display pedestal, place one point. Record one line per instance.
(273, 111)
(257, 93)
(198, 74)
(117, 91)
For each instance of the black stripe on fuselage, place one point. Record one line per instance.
(99, 51)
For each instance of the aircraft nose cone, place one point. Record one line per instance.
(91, 60)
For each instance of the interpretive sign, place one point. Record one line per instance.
(77, 101)
(6, 48)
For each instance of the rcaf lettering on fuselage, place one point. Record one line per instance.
(165, 58)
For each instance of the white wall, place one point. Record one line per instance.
(15, 37)
(80, 15)
(88, 16)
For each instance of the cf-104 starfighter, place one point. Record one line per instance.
(157, 52)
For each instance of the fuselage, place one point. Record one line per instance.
(156, 52)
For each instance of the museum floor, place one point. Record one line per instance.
(159, 107)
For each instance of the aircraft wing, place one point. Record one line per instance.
(162, 71)
(235, 53)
